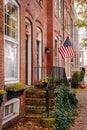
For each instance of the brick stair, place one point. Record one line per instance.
(35, 104)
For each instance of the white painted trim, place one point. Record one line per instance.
(39, 38)
(29, 52)
(16, 109)
(19, 44)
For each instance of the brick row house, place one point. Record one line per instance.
(31, 31)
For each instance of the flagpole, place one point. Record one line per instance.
(65, 40)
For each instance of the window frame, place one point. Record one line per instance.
(56, 8)
(14, 41)
(56, 51)
(15, 111)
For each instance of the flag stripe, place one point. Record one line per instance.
(66, 50)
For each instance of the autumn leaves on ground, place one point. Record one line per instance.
(80, 121)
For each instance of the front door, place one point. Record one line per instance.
(38, 57)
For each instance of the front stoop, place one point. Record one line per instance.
(35, 105)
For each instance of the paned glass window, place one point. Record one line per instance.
(60, 8)
(56, 52)
(11, 110)
(11, 53)
(56, 7)
(8, 109)
(11, 20)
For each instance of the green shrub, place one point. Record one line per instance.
(82, 73)
(72, 98)
(64, 110)
(75, 77)
(75, 80)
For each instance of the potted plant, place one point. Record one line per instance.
(45, 81)
(15, 90)
(2, 92)
(82, 74)
(75, 80)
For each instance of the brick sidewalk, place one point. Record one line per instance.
(81, 120)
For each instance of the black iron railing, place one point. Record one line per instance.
(56, 77)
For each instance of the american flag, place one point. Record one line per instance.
(66, 50)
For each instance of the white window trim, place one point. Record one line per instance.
(16, 109)
(29, 52)
(57, 57)
(14, 80)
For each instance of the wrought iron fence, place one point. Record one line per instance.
(56, 77)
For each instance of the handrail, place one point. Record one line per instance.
(47, 87)
(57, 75)
(47, 95)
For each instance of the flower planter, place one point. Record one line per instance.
(74, 85)
(15, 90)
(2, 92)
(14, 94)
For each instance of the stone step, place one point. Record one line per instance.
(38, 101)
(39, 94)
(36, 109)
(32, 117)
(47, 122)
(35, 103)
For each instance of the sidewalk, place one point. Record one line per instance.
(81, 120)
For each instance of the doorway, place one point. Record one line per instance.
(39, 55)
(28, 53)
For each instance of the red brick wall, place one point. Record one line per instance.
(1, 54)
(22, 42)
(54, 29)
(50, 32)
(21, 59)
(38, 17)
(22, 52)
(1, 45)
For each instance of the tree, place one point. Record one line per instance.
(81, 22)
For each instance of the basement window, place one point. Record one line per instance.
(11, 110)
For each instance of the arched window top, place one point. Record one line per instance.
(13, 2)
(56, 38)
(28, 27)
(38, 34)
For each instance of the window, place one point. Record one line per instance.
(11, 40)
(56, 8)
(56, 52)
(11, 110)
(60, 8)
